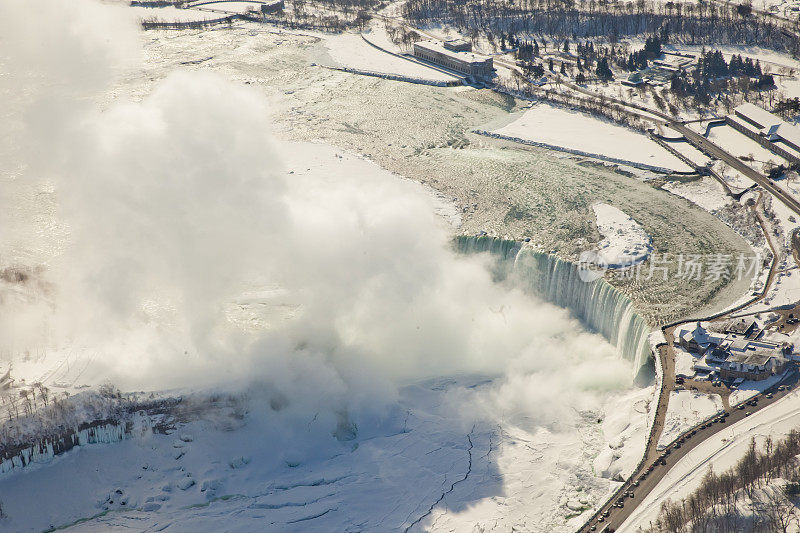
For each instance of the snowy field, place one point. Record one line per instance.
(230, 6)
(235, 475)
(350, 50)
(684, 362)
(172, 14)
(689, 151)
(721, 452)
(705, 192)
(572, 129)
(742, 146)
(625, 242)
(686, 410)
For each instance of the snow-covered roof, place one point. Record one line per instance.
(438, 46)
(770, 126)
(741, 326)
(757, 115)
(789, 133)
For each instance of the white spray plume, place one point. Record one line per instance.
(178, 203)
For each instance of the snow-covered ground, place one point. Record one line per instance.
(350, 50)
(625, 242)
(686, 410)
(688, 150)
(684, 362)
(721, 451)
(735, 179)
(567, 128)
(748, 389)
(785, 290)
(742, 146)
(230, 6)
(172, 14)
(705, 192)
(225, 474)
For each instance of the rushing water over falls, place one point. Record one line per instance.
(597, 304)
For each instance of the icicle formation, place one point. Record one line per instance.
(597, 304)
(103, 431)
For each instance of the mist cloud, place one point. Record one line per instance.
(180, 204)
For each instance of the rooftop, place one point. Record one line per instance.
(789, 133)
(740, 326)
(438, 46)
(750, 358)
(457, 44)
(759, 115)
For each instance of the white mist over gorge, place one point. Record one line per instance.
(213, 318)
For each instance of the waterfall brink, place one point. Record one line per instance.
(597, 304)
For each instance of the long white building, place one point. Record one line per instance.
(468, 63)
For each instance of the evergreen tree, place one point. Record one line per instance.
(603, 71)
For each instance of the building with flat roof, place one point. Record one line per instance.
(477, 66)
(768, 130)
(457, 45)
(273, 7)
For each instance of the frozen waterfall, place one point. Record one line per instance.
(597, 304)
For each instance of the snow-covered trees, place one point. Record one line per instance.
(753, 494)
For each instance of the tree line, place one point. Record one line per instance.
(691, 23)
